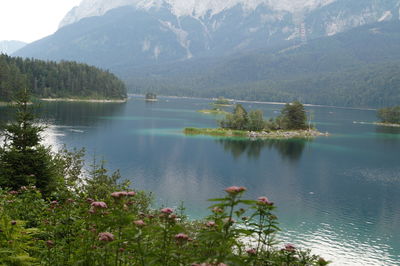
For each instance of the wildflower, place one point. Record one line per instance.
(99, 204)
(235, 190)
(70, 201)
(13, 192)
(118, 195)
(131, 193)
(121, 249)
(167, 210)
(229, 220)
(23, 188)
(105, 236)
(251, 251)
(181, 236)
(13, 222)
(90, 200)
(210, 224)
(264, 201)
(290, 248)
(217, 210)
(139, 223)
(54, 202)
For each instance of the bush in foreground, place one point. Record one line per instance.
(120, 228)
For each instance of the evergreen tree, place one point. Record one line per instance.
(23, 160)
(293, 116)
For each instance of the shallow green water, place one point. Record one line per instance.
(338, 195)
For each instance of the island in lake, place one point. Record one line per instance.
(150, 97)
(291, 123)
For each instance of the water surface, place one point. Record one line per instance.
(339, 195)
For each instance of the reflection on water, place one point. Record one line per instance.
(288, 149)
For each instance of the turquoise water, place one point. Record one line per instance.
(339, 195)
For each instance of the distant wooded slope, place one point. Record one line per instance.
(57, 80)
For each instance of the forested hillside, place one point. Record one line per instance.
(57, 80)
(360, 68)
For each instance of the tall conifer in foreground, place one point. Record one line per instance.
(23, 160)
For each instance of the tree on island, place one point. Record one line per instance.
(151, 96)
(293, 117)
(389, 115)
(23, 160)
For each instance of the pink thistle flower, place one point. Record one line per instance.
(217, 210)
(290, 247)
(251, 251)
(131, 193)
(181, 236)
(210, 224)
(235, 190)
(106, 237)
(13, 192)
(99, 204)
(70, 201)
(90, 200)
(54, 202)
(139, 223)
(118, 195)
(264, 201)
(167, 210)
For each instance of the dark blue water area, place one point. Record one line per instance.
(338, 195)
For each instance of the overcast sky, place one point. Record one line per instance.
(30, 20)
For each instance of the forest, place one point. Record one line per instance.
(48, 79)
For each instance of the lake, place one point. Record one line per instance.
(338, 195)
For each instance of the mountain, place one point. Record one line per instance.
(360, 67)
(133, 33)
(9, 47)
(202, 46)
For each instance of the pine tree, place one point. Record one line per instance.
(294, 116)
(23, 160)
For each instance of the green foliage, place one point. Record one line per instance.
(57, 80)
(121, 229)
(23, 160)
(389, 115)
(293, 116)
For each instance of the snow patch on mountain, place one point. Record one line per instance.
(193, 8)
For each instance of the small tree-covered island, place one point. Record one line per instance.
(389, 116)
(291, 123)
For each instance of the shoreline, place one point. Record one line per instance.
(278, 134)
(259, 102)
(377, 124)
(83, 100)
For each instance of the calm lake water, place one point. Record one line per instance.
(338, 195)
